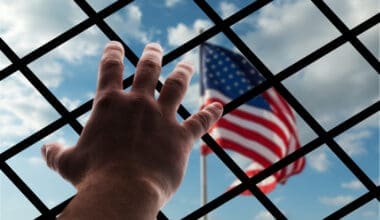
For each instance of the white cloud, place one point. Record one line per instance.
(181, 33)
(318, 160)
(128, 24)
(227, 8)
(354, 184)
(354, 142)
(264, 215)
(35, 161)
(69, 103)
(339, 200)
(22, 109)
(172, 3)
(30, 24)
(354, 12)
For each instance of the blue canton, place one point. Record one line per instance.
(230, 74)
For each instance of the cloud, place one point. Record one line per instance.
(227, 8)
(30, 24)
(339, 200)
(128, 23)
(318, 160)
(35, 161)
(354, 142)
(264, 215)
(69, 103)
(22, 110)
(354, 185)
(181, 33)
(172, 3)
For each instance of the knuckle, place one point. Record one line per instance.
(111, 63)
(139, 101)
(105, 99)
(204, 120)
(150, 64)
(214, 113)
(176, 83)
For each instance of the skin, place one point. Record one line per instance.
(132, 154)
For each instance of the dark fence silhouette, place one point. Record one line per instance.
(272, 80)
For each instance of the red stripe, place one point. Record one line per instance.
(263, 122)
(253, 118)
(251, 135)
(232, 145)
(265, 188)
(279, 112)
(286, 105)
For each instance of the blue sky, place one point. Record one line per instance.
(333, 89)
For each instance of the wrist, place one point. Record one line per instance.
(108, 196)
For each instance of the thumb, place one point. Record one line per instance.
(198, 124)
(51, 154)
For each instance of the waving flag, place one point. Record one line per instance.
(266, 186)
(263, 128)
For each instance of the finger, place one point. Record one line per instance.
(198, 124)
(51, 154)
(148, 69)
(175, 87)
(111, 67)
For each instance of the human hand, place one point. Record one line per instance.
(130, 137)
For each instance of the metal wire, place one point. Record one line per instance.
(272, 80)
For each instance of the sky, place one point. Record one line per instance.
(332, 89)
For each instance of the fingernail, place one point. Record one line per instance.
(187, 65)
(154, 46)
(218, 105)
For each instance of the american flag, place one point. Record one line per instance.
(264, 128)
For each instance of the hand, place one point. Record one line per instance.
(131, 139)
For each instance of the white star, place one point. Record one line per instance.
(228, 87)
(230, 76)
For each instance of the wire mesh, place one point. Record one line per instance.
(221, 25)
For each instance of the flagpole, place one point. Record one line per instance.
(203, 159)
(204, 182)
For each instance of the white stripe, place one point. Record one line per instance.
(248, 144)
(256, 166)
(210, 93)
(274, 95)
(255, 127)
(291, 167)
